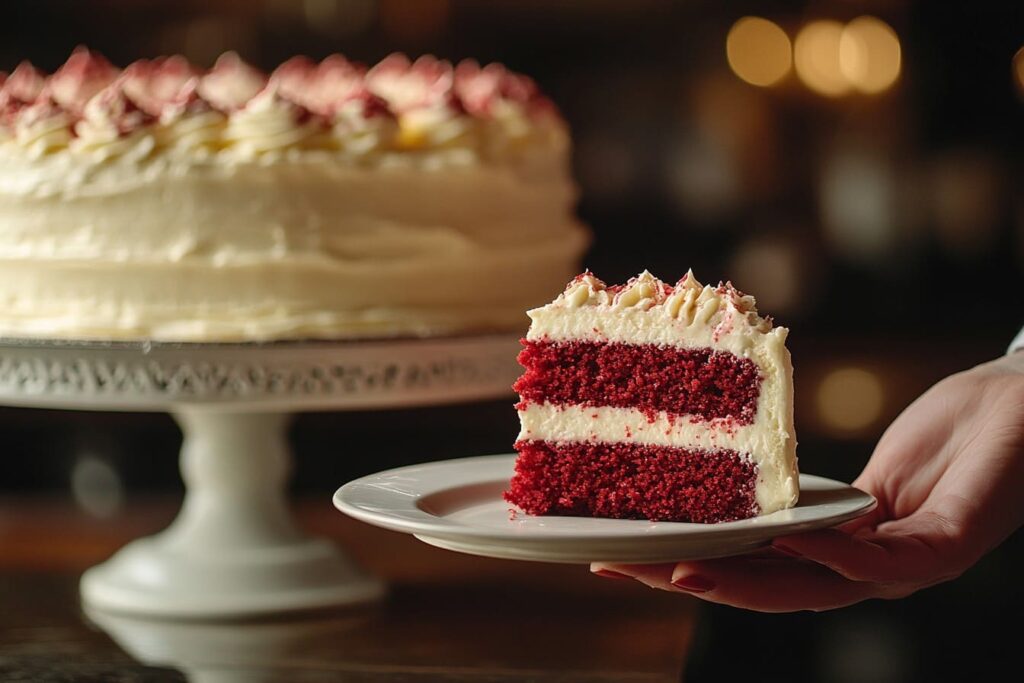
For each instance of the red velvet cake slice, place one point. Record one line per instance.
(653, 401)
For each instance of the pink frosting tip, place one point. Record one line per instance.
(294, 77)
(322, 88)
(22, 86)
(82, 76)
(406, 85)
(231, 83)
(480, 87)
(162, 83)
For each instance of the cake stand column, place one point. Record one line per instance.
(235, 467)
(234, 549)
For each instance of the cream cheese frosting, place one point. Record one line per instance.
(165, 202)
(686, 315)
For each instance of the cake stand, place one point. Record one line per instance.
(234, 549)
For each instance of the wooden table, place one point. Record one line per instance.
(448, 617)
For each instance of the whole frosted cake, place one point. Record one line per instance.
(324, 200)
(655, 401)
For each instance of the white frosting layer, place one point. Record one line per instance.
(605, 424)
(689, 315)
(303, 244)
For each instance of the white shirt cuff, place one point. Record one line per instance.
(1017, 344)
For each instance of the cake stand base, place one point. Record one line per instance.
(233, 550)
(149, 578)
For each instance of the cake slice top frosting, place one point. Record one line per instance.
(647, 310)
(397, 105)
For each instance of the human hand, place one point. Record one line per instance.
(948, 475)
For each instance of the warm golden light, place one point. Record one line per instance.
(869, 54)
(772, 268)
(816, 58)
(850, 399)
(758, 51)
(1018, 68)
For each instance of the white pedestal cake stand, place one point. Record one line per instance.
(234, 550)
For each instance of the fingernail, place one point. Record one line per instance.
(786, 550)
(693, 583)
(609, 574)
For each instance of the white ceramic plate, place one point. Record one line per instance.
(457, 504)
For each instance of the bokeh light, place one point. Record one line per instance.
(869, 55)
(1018, 69)
(816, 58)
(860, 201)
(850, 399)
(759, 51)
(96, 486)
(771, 269)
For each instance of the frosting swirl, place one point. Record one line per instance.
(201, 130)
(112, 125)
(268, 122)
(363, 125)
(42, 128)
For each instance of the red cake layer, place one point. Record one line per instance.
(700, 382)
(632, 481)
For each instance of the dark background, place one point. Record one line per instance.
(886, 230)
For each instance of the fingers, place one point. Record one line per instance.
(653, 575)
(826, 569)
(911, 550)
(763, 584)
(659, 576)
(854, 557)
